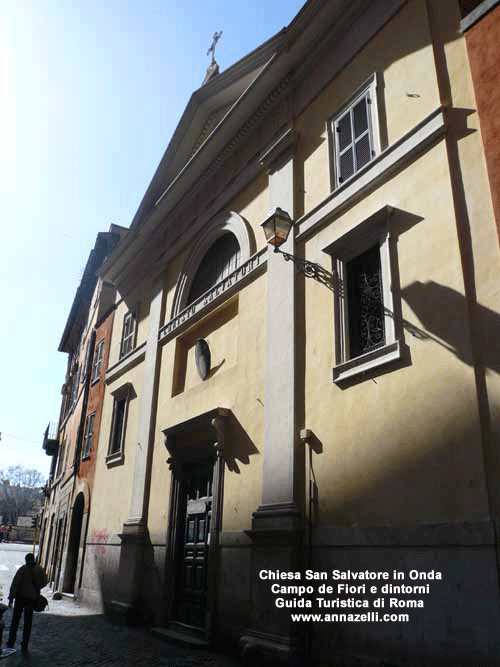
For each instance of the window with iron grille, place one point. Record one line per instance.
(367, 313)
(354, 134)
(365, 316)
(98, 358)
(88, 436)
(128, 333)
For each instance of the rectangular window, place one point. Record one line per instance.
(118, 425)
(365, 319)
(98, 357)
(75, 381)
(60, 462)
(85, 368)
(354, 134)
(88, 436)
(128, 334)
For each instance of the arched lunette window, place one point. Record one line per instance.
(224, 245)
(221, 259)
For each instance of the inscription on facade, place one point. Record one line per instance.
(237, 276)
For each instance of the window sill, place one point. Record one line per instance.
(115, 459)
(356, 368)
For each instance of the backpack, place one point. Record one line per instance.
(40, 603)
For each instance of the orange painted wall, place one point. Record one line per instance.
(96, 398)
(483, 44)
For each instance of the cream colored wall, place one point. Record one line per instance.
(170, 281)
(253, 205)
(477, 226)
(110, 504)
(236, 334)
(395, 448)
(138, 298)
(230, 332)
(220, 330)
(405, 60)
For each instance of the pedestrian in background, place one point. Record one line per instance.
(24, 590)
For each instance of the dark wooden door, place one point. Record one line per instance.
(192, 591)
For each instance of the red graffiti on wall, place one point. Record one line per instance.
(100, 537)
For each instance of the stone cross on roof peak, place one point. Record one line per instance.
(215, 39)
(213, 68)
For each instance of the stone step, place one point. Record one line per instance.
(180, 637)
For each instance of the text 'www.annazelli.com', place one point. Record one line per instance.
(369, 617)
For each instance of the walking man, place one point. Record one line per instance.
(24, 590)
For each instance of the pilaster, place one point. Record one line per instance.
(134, 536)
(277, 526)
(278, 500)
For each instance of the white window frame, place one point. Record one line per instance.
(88, 435)
(98, 359)
(373, 231)
(128, 337)
(369, 89)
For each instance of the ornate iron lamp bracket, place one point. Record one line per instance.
(312, 270)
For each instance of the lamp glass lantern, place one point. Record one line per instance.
(277, 227)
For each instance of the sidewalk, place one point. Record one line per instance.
(69, 634)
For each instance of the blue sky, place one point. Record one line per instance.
(91, 94)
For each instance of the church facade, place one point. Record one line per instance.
(284, 412)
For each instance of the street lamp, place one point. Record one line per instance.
(276, 229)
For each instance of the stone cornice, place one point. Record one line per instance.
(280, 148)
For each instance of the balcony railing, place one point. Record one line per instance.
(50, 442)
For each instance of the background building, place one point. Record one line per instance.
(332, 408)
(481, 27)
(86, 341)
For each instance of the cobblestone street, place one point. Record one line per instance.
(68, 634)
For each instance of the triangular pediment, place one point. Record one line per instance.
(205, 111)
(223, 112)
